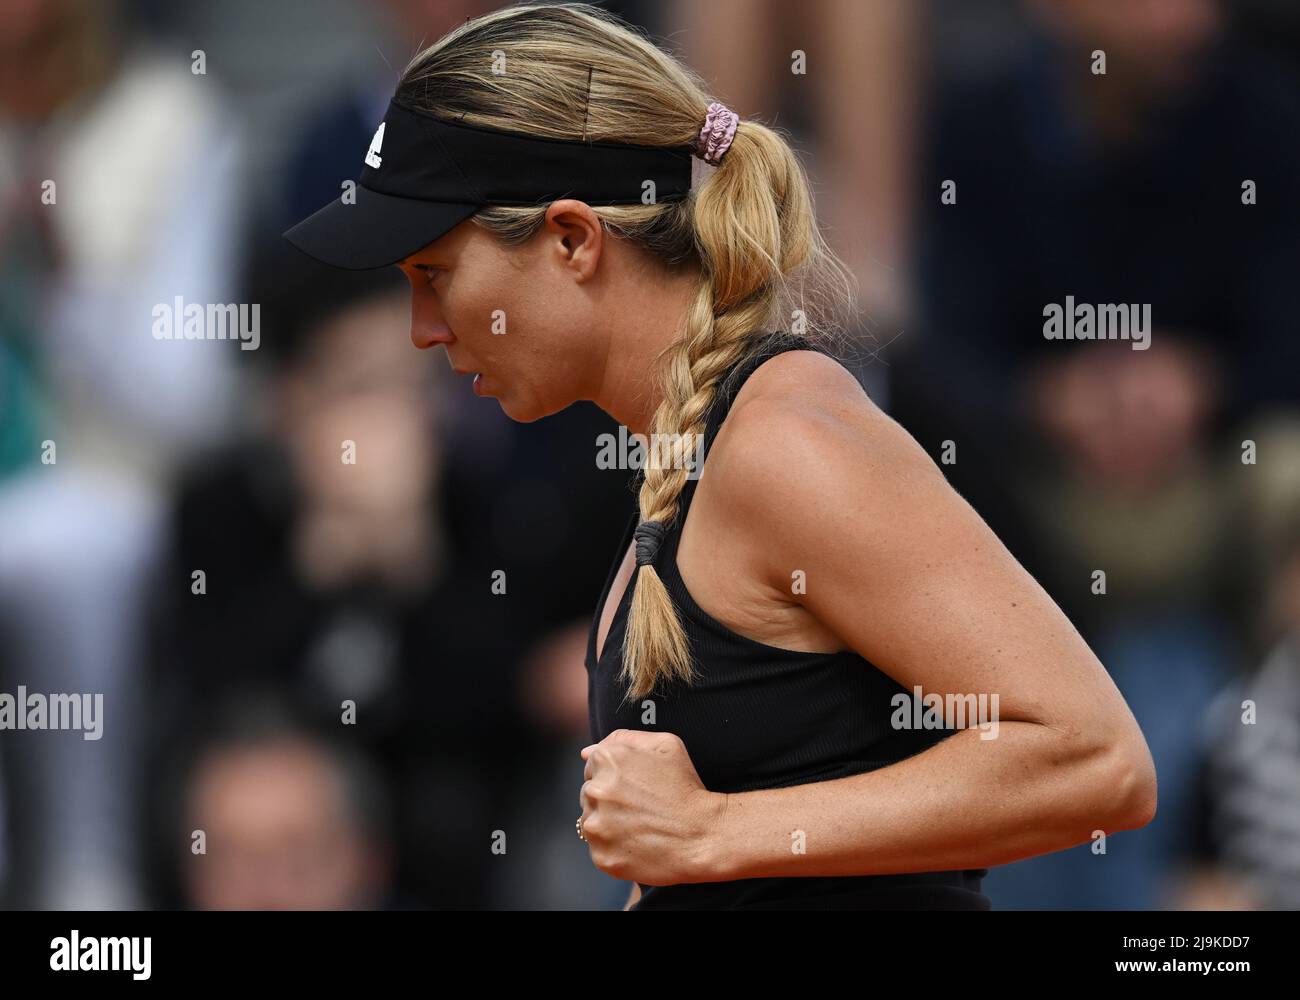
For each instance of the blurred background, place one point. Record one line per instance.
(313, 670)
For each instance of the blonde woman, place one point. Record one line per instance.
(781, 643)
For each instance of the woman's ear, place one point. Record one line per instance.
(576, 236)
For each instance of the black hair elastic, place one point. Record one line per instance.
(649, 535)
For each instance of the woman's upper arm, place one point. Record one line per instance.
(903, 570)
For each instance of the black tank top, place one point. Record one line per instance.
(759, 716)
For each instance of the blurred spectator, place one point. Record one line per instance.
(1248, 832)
(277, 819)
(338, 583)
(117, 194)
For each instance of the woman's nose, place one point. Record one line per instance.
(425, 334)
(427, 325)
(425, 337)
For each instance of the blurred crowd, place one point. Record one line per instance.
(330, 690)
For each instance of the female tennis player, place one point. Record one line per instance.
(816, 678)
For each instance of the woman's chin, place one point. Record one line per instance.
(528, 416)
(525, 411)
(512, 409)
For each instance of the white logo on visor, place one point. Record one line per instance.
(373, 158)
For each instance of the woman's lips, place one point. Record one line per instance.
(478, 378)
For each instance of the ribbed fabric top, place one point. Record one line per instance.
(760, 716)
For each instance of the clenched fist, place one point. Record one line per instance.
(646, 815)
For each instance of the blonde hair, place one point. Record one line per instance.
(575, 71)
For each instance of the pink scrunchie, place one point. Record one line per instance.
(716, 135)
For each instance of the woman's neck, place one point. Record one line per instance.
(651, 314)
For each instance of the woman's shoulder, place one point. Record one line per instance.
(803, 427)
(797, 375)
(796, 400)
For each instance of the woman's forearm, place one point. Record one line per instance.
(965, 803)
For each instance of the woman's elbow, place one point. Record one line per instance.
(1131, 790)
(1114, 780)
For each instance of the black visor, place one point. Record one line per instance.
(423, 176)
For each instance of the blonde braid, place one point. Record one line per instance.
(654, 643)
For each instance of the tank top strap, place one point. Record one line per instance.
(728, 389)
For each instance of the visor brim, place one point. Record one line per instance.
(377, 230)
